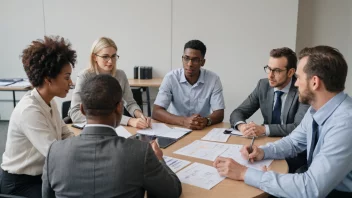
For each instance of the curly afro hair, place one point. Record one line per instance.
(46, 58)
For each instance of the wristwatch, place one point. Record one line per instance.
(209, 121)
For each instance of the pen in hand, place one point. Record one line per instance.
(251, 148)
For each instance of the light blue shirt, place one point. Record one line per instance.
(331, 167)
(184, 99)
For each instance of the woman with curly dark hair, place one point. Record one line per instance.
(35, 122)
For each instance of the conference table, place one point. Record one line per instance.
(227, 188)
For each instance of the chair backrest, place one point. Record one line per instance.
(64, 109)
(137, 96)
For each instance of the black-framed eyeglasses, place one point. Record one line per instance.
(107, 58)
(186, 59)
(275, 71)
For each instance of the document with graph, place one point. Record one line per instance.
(200, 175)
(203, 150)
(234, 152)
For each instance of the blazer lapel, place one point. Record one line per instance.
(270, 102)
(289, 101)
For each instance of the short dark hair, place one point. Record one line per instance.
(197, 45)
(288, 54)
(100, 95)
(328, 64)
(46, 58)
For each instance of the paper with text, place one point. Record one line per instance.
(217, 135)
(200, 175)
(234, 152)
(162, 130)
(175, 164)
(121, 131)
(203, 150)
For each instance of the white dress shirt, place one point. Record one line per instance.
(33, 126)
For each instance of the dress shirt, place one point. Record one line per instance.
(331, 167)
(183, 99)
(33, 126)
(129, 103)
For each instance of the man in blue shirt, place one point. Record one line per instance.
(190, 96)
(325, 132)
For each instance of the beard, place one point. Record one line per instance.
(306, 97)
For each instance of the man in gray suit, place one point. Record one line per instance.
(277, 98)
(99, 163)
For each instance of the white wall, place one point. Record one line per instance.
(324, 22)
(238, 35)
(20, 23)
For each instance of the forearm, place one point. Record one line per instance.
(217, 116)
(162, 115)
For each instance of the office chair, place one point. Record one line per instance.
(137, 95)
(64, 110)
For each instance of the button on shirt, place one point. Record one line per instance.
(183, 99)
(33, 127)
(331, 167)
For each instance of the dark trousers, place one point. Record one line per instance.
(22, 185)
(297, 162)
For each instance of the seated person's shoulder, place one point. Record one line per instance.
(174, 75)
(85, 74)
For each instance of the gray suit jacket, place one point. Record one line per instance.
(263, 97)
(98, 163)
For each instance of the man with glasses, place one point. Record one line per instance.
(277, 98)
(325, 131)
(190, 96)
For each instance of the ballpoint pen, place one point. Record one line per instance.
(251, 148)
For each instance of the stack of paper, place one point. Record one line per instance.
(217, 135)
(175, 164)
(203, 150)
(162, 130)
(200, 175)
(121, 131)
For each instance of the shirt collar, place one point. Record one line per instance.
(286, 89)
(328, 108)
(41, 101)
(99, 125)
(200, 79)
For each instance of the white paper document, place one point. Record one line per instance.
(175, 164)
(217, 135)
(121, 131)
(203, 150)
(200, 175)
(234, 153)
(162, 130)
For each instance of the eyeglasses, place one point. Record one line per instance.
(275, 71)
(107, 58)
(186, 59)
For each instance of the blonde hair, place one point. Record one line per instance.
(99, 44)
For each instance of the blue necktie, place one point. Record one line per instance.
(277, 109)
(315, 137)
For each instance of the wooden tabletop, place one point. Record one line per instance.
(155, 82)
(227, 188)
(6, 88)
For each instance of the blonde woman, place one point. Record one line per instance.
(103, 60)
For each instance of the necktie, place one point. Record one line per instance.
(315, 137)
(277, 109)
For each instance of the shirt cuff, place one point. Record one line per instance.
(237, 123)
(266, 151)
(267, 130)
(124, 120)
(253, 177)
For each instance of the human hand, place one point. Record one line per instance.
(254, 154)
(158, 152)
(230, 168)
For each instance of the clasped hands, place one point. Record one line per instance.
(228, 167)
(251, 129)
(195, 121)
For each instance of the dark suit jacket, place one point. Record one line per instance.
(263, 97)
(98, 163)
